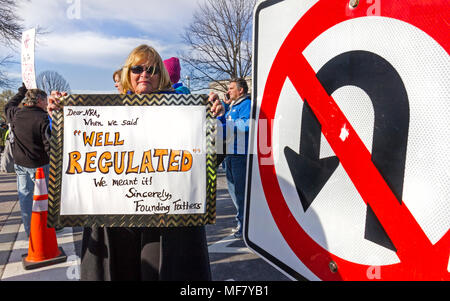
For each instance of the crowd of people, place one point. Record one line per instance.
(130, 253)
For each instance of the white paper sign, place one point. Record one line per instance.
(134, 160)
(28, 71)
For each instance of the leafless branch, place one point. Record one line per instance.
(10, 24)
(52, 81)
(5, 80)
(219, 41)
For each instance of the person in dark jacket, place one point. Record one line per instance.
(31, 129)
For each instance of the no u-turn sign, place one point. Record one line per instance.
(349, 173)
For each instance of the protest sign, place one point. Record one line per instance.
(28, 71)
(132, 161)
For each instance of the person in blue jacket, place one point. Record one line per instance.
(235, 124)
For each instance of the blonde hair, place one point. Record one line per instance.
(141, 54)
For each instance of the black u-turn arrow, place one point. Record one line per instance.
(379, 79)
(310, 173)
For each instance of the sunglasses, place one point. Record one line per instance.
(139, 69)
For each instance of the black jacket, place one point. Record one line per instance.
(31, 129)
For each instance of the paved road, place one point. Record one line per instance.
(229, 257)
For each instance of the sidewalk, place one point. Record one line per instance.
(66, 271)
(230, 259)
(9, 220)
(14, 242)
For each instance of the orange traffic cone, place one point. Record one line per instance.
(43, 248)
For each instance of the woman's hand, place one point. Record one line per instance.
(54, 102)
(217, 108)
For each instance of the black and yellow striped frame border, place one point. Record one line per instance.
(158, 220)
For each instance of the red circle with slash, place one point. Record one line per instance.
(419, 258)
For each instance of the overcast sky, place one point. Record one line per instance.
(88, 40)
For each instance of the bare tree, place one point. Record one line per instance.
(52, 81)
(4, 97)
(10, 27)
(219, 42)
(10, 33)
(5, 80)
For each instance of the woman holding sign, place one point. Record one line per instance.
(172, 253)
